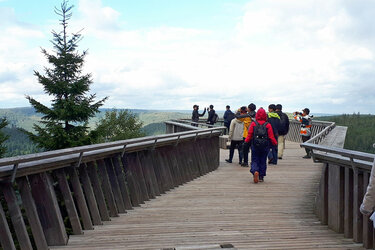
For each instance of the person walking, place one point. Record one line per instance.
(305, 119)
(261, 137)
(283, 131)
(228, 117)
(236, 137)
(274, 119)
(195, 115)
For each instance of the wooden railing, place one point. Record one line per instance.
(344, 181)
(67, 191)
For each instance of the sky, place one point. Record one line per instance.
(169, 54)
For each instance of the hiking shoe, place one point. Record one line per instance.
(245, 165)
(270, 161)
(306, 157)
(256, 177)
(280, 158)
(229, 161)
(261, 179)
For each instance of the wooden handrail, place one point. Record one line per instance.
(83, 149)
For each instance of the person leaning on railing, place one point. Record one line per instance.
(368, 204)
(305, 132)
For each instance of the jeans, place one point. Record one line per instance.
(259, 161)
(272, 155)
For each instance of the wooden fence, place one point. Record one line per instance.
(68, 191)
(344, 181)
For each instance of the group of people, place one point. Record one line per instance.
(212, 116)
(264, 133)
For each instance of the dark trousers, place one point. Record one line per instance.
(272, 155)
(246, 149)
(233, 145)
(305, 139)
(259, 161)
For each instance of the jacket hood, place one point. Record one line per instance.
(261, 115)
(273, 115)
(239, 120)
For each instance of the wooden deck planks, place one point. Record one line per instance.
(224, 206)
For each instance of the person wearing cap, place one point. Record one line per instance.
(305, 119)
(274, 119)
(283, 131)
(195, 115)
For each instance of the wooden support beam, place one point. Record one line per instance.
(16, 215)
(48, 209)
(99, 196)
(107, 190)
(115, 186)
(89, 194)
(69, 202)
(122, 182)
(6, 239)
(31, 213)
(80, 199)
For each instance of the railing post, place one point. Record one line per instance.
(357, 200)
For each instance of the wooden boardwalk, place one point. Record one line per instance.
(226, 207)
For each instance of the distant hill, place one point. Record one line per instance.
(19, 144)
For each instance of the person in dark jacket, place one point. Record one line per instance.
(274, 119)
(195, 115)
(259, 155)
(228, 117)
(283, 131)
(246, 147)
(211, 115)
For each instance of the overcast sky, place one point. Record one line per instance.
(171, 54)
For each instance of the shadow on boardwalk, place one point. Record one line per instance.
(226, 207)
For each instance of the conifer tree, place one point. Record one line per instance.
(3, 138)
(64, 124)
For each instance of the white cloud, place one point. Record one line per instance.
(313, 53)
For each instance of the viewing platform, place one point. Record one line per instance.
(175, 191)
(226, 207)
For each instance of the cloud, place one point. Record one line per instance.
(312, 53)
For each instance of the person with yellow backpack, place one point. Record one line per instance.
(247, 120)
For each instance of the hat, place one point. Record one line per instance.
(306, 110)
(195, 105)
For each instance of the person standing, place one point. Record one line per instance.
(247, 118)
(305, 132)
(236, 137)
(228, 117)
(283, 131)
(195, 115)
(211, 115)
(274, 120)
(261, 137)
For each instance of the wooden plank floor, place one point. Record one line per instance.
(226, 207)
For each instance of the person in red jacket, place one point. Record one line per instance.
(260, 144)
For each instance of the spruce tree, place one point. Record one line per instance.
(64, 123)
(3, 138)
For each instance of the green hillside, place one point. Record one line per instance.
(361, 130)
(19, 144)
